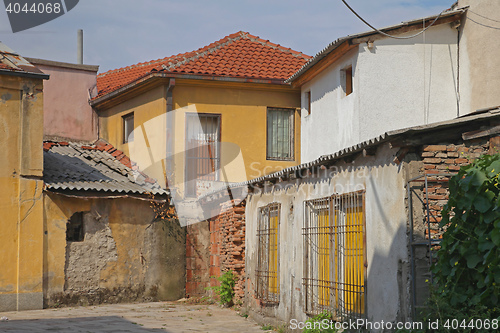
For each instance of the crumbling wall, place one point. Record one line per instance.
(86, 259)
(197, 259)
(126, 255)
(216, 246)
(228, 249)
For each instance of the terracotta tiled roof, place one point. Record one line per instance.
(98, 167)
(239, 55)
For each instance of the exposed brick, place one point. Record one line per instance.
(432, 160)
(452, 154)
(435, 148)
(428, 154)
(461, 160)
(437, 197)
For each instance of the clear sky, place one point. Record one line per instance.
(119, 33)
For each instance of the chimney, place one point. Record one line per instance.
(80, 47)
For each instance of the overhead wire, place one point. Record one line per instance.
(386, 34)
(485, 17)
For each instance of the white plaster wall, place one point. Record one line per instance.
(405, 83)
(397, 84)
(334, 119)
(479, 60)
(385, 230)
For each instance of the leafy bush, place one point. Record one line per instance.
(468, 268)
(467, 272)
(225, 290)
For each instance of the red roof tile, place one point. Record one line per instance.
(239, 55)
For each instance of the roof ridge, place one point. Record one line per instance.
(186, 59)
(276, 46)
(207, 49)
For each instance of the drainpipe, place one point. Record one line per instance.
(170, 129)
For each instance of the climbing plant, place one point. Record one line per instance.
(468, 267)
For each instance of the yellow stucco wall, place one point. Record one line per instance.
(145, 262)
(21, 239)
(243, 110)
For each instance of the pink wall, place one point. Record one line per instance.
(67, 113)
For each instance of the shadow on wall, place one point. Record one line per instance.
(84, 324)
(387, 285)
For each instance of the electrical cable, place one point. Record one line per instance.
(470, 11)
(391, 36)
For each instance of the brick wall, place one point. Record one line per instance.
(227, 244)
(215, 246)
(444, 159)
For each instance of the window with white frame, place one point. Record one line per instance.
(334, 259)
(280, 134)
(268, 286)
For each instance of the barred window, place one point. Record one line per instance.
(334, 269)
(268, 286)
(280, 134)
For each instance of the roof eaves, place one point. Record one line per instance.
(387, 136)
(167, 74)
(334, 45)
(21, 73)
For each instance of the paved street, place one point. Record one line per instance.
(173, 317)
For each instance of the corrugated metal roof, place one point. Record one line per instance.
(390, 135)
(78, 167)
(332, 46)
(12, 63)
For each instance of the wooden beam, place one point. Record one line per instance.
(481, 133)
(317, 68)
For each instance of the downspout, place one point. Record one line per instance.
(169, 131)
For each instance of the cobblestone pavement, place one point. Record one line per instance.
(172, 317)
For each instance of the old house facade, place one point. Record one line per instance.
(220, 114)
(104, 240)
(229, 96)
(21, 239)
(351, 230)
(355, 229)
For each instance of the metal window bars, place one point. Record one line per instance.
(334, 262)
(202, 149)
(280, 134)
(268, 286)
